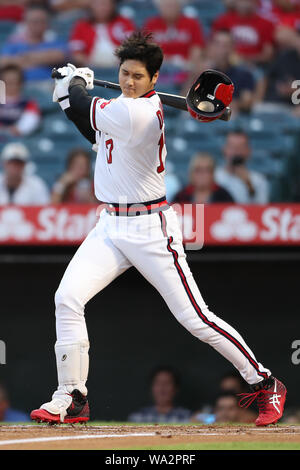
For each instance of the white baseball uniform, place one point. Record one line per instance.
(130, 166)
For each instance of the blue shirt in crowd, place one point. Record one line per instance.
(42, 72)
(16, 416)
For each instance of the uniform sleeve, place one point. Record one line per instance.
(111, 117)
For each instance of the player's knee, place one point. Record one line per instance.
(65, 300)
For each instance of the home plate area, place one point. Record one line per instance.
(93, 436)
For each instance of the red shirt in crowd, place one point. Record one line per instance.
(84, 34)
(250, 33)
(283, 18)
(11, 13)
(178, 39)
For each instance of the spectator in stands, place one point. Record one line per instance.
(180, 37)
(94, 40)
(33, 50)
(202, 188)
(12, 10)
(253, 35)
(291, 416)
(245, 186)
(287, 187)
(278, 82)
(227, 409)
(19, 116)
(219, 55)
(230, 386)
(75, 185)
(286, 13)
(8, 414)
(164, 388)
(16, 185)
(233, 381)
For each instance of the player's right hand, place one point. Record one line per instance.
(62, 84)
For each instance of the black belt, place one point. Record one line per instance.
(137, 208)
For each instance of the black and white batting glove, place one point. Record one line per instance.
(87, 75)
(61, 90)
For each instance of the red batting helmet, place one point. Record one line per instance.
(209, 96)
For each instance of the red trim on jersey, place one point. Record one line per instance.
(149, 94)
(94, 113)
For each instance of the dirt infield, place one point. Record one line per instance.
(21, 437)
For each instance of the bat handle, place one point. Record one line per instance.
(226, 115)
(56, 74)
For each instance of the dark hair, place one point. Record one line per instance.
(73, 154)
(168, 370)
(12, 68)
(38, 5)
(235, 375)
(222, 31)
(138, 46)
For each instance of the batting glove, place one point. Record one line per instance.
(62, 84)
(88, 76)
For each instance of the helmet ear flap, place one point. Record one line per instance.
(209, 96)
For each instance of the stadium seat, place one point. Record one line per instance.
(43, 99)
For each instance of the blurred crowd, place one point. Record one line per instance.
(163, 406)
(254, 159)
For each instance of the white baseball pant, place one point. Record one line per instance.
(153, 244)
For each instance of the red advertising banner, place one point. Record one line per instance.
(217, 224)
(276, 224)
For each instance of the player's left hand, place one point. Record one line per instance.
(87, 74)
(62, 84)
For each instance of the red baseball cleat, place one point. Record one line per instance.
(270, 395)
(77, 412)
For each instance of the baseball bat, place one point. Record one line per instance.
(175, 101)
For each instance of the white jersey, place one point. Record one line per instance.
(131, 154)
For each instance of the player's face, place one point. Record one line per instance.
(134, 79)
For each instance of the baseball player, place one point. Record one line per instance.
(137, 228)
